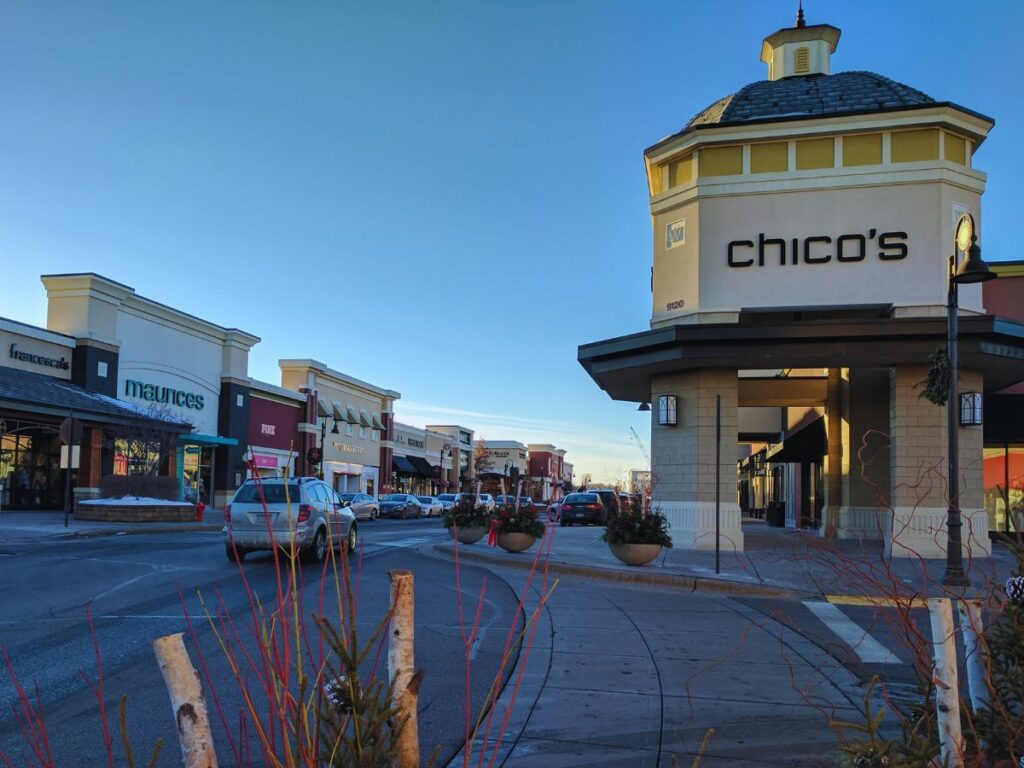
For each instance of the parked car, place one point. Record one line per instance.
(447, 500)
(524, 501)
(365, 506)
(586, 508)
(609, 497)
(483, 500)
(305, 512)
(553, 509)
(431, 506)
(401, 505)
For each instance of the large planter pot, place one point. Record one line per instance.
(468, 535)
(515, 542)
(635, 554)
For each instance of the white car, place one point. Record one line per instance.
(447, 501)
(484, 500)
(431, 505)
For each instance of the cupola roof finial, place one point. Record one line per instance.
(800, 15)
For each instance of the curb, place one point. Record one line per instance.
(100, 532)
(676, 581)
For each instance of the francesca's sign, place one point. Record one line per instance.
(154, 393)
(817, 249)
(29, 357)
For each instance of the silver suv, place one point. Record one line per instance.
(268, 513)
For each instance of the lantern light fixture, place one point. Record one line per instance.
(667, 412)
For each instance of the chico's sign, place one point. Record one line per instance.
(817, 249)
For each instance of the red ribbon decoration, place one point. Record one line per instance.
(492, 535)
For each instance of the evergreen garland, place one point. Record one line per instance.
(935, 388)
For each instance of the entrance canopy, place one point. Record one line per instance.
(623, 366)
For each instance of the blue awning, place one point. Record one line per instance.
(194, 438)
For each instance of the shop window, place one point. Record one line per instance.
(1003, 481)
(914, 146)
(720, 161)
(348, 430)
(769, 158)
(815, 153)
(136, 457)
(375, 435)
(955, 149)
(680, 171)
(862, 149)
(362, 432)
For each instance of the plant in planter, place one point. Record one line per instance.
(466, 520)
(636, 538)
(516, 527)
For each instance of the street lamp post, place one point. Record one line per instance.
(971, 270)
(446, 450)
(323, 434)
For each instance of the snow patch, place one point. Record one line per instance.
(136, 501)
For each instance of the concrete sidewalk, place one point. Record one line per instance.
(776, 561)
(35, 526)
(636, 677)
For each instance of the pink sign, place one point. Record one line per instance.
(267, 462)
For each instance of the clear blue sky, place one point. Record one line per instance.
(442, 198)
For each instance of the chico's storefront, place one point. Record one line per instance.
(802, 229)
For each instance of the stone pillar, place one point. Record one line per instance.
(865, 513)
(683, 459)
(917, 430)
(837, 455)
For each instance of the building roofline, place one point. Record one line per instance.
(34, 331)
(813, 116)
(316, 365)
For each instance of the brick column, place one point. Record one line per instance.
(683, 458)
(917, 430)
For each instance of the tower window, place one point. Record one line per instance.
(802, 63)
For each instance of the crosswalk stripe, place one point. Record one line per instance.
(863, 644)
(412, 541)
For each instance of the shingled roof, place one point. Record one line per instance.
(40, 393)
(811, 96)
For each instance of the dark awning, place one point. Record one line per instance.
(808, 443)
(403, 466)
(423, 467)
(38, 393)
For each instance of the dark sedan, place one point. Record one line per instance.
(401, 505)
(582, 508)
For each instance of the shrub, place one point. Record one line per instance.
(521, 520)
(632, 527)
(466, 514)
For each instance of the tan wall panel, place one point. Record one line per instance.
(769, 158)
(680, 171)
(815, 153)
(720, 161)
(955, 149)
(912, 146)
(862, 149)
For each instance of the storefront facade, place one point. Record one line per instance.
(460, 469)
(801, 232)
(274, 417)
(40, 387)
(168, 365)
(347, 431)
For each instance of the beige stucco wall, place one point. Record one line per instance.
(53, 354)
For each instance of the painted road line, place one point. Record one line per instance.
(863, 644)
(878, 602)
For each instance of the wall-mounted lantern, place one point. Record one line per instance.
(667, 410)
(970, 409)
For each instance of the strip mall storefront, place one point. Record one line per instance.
(346, 431)
(274, 417)
(802, 228)
(166, 364)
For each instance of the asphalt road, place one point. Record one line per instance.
(140, 587)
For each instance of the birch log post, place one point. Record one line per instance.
(187, 702)
(401, 667)
(947, 689)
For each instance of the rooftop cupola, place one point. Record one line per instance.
(800, 50)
